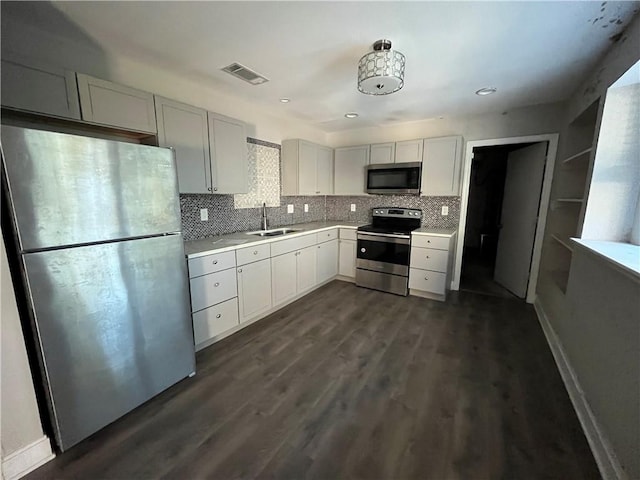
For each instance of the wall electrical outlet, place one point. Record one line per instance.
(204, 214)
(445, 210)
(353, 207)
(306, 207)
(289, 208)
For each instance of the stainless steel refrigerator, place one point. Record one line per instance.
(97, 228)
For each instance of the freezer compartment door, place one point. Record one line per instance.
(114, 327)
(67, 189)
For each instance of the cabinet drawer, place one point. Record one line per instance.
(434, 282)
(211, 263)
(327, 235)
(252, 254)
(430, 241)
(429, 259)
(212, 289)
(286, 246)
(348, 233)
(215, 320)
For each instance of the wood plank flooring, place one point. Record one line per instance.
(353, 383)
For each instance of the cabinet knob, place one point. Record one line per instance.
(318, 191)
(426, 278)
(215, 189)
(239, 270)
(318, 246)
(209, 188)
(427, 256)
(255, 252)
(217, 284)
(428, 241)
(218, 315)
(215, 262)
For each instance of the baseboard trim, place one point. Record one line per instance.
(27, 459)
(603, 452)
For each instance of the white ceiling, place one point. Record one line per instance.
(532, 52)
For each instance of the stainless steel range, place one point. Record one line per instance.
(384, 246)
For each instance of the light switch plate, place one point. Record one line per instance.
(306, 207)
(445, 210)
(353, 207)
(204, 214)
(289, 208)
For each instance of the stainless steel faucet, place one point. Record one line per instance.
(264, 216)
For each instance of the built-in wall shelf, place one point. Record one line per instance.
(562, 241)
(578, 156)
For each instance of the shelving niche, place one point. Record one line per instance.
(568, 193)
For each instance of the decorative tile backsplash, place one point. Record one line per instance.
(264, 176)
(339, 208)
(237, 213)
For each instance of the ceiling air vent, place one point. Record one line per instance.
(245, 74)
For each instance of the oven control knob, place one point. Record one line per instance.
(363, 250)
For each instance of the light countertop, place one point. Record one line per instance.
(436, 232)
(233, 241)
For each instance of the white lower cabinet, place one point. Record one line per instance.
(327, 260)
(430, 265)
(283, 277)
(254, 289)
(347, 261)
(214, 320)
(293, 273)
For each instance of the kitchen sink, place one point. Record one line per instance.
(273, 233)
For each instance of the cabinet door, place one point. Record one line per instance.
(383, 153)
(324, 171)
(409, 151)
(306, 269)
(229, 155)
(184, 128)
(441, 166)
(283, 277)
(347, 263)
(254, 289)
(349, 170)
(40, 88)
(307, 162)
(116, 105)
(327, 260)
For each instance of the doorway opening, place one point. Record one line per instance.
(502, 214)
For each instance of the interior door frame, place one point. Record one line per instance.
(552, 139)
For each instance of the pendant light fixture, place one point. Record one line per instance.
(381, 71)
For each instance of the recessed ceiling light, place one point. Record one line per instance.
(285, 100)
(486, 91)
(351, 115)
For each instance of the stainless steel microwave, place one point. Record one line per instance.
(394, 178)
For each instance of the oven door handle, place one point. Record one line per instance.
(402, 239)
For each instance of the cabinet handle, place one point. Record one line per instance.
(209, 188)
(427, 256)
(215, 262)
(318, 246)
(215, 189)
(217, 284)
(426, 278)
(318, 191)
(255, 252)
(218, 315)
(239, 270)
(428, 241)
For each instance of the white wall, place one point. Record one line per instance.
(83, 55)
(18, 411)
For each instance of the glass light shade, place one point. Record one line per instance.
(381, 72)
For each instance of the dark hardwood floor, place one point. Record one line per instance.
(353, 383)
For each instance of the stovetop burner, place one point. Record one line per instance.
(390, 220)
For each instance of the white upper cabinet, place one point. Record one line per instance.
(441, 166)
(184, 128)
(409, 151)
(115, 105)
(40, 88)
(229, 156)
(307, 168)
(349, 170)
(382, 153)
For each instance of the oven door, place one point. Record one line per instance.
(386, 253)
